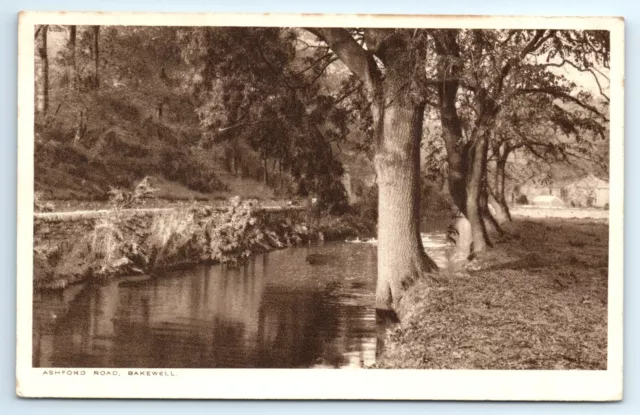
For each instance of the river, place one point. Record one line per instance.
(303, 307)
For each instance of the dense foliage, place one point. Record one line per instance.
(200, 107)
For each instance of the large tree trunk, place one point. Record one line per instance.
(401, 256)
(449, 71)
(71, 45)
(457, 159)
(474, 203)
(456, 150)
(42, 80)
(96, 55)
(397, 108)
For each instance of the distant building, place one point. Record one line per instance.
(588, 191)
(547, 200)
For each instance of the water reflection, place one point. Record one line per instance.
(277, 311)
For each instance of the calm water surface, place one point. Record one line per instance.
(294, 308)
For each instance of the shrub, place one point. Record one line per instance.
(367, 207)
(39, 205)
(121, 198)
(193, 173)
(333, 198)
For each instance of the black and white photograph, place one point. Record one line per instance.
(394, 195)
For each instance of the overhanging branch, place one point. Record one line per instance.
(358, 60)
(562, 95)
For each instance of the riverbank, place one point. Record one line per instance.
(98, 245)
(538, 300)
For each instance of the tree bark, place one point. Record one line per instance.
(401, 256)
(500, 198)
(491, 224)
(475, 178)
(457, 159)
(500, 211)
(397, 109)
(71, 45)
(96, 55)
(42, 84)
(456, 149)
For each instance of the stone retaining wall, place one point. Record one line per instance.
(73, 246)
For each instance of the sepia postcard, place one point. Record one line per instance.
(344, 207)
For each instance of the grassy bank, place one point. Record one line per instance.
(538, 300)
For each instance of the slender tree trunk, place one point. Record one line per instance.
(42, 83)
(96, 55)
(496, 175)
(274, 172)
(266, 170)
(71, 45)
(232, 166)
(500, 185)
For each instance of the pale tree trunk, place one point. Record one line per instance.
(500, 212)
(42, 80)
(461, 229)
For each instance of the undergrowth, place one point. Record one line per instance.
(124, 244)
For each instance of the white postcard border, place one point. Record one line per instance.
(371, 384)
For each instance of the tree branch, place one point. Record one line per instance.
(591, 70)
(538, 39)
(358, 60)
(314, 63)
(562, 95)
